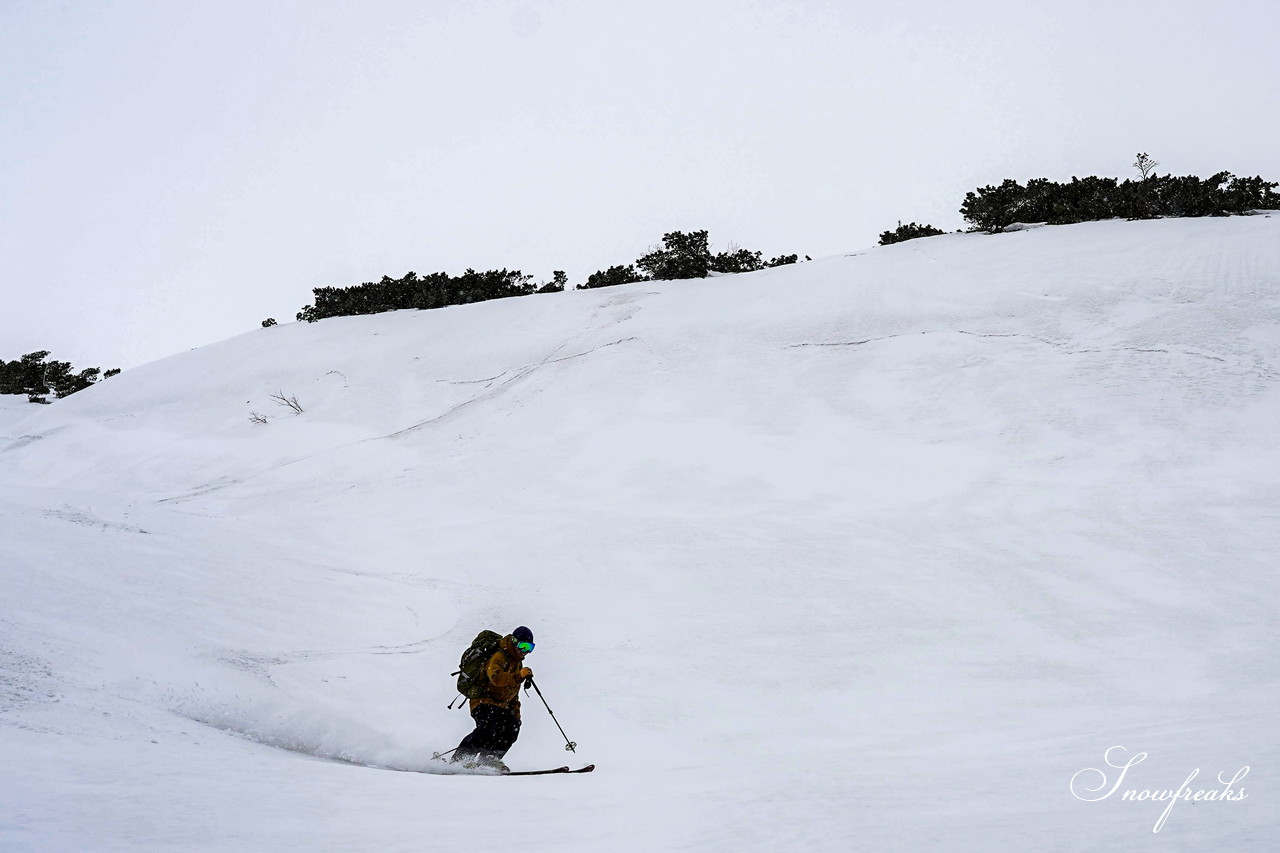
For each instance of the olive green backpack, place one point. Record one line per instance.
(472, 679)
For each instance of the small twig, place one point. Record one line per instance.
(255, 418)
(287, 402)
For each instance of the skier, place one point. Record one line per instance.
(497, 709)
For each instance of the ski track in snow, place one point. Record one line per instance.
(517, 375)
(1056, 344)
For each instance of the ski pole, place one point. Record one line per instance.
(568, 744)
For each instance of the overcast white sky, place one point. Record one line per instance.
(171, 173)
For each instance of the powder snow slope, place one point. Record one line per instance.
(869, 553)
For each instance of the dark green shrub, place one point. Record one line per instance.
(34, 376)
(25, 375)
(611, 277)
(910, 231)
(993, 208)
(557, 283)
(737, 260)
(680, 256)
(437, 290)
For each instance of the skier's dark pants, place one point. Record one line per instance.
(496, 730)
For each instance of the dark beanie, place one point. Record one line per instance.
(522, 635)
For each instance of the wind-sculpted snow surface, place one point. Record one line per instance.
(877, 552)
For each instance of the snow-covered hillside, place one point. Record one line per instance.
(869, 553)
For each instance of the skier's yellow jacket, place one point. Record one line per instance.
(504, 671)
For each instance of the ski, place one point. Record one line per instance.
(565, 769)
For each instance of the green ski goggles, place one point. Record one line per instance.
(524, 647)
